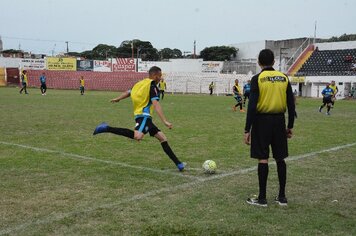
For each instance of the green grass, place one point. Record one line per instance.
(58, 190)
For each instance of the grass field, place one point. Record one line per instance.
(56, 178)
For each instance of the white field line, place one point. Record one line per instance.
(76, 156)
(59, 216)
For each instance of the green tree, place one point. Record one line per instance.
(167, 53)
(144, 49)
(103, 51)
(88, 54)
(218, 53)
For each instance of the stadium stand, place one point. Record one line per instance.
(329, 63)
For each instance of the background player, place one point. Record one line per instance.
(246, 91)
(328, 94)
(162, 85)
(237, 95)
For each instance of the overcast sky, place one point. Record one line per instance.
(41, 26)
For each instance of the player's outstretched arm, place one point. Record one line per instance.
(124, 95)
(158, 109)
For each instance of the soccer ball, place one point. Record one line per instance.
(209, 167)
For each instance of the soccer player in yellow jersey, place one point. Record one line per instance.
(145, 97)
(24, 81)
(82, 83)
(237, 95)
(162, 87)
(271, 95)
(334, 87)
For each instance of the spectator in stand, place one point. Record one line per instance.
(348, 58)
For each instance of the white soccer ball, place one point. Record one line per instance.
(209, 167)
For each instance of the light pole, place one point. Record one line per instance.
(138, 51)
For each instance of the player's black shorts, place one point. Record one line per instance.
(238, 98)
(145, 124)
(327, 100)
(247, 95)
(269, 130)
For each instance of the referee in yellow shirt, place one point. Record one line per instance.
(271, 95)
(145, 99)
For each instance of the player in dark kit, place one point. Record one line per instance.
(238, 96)
(271, 94)
(246, 90)
(145, 97)
(328, 94)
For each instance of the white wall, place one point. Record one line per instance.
(10, 62)
(249, 50)
(182, 66)
(318, 83)
(336, 45)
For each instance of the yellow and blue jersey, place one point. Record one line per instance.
(162, 85)
(236, 90)
(24, 78)
(335, 88)
(82, 82)
(142, 94)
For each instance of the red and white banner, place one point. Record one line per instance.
(123, 64)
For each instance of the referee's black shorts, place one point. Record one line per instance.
(269, 130)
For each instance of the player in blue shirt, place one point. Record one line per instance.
(43, 84)
(328, 94)
(247, 88)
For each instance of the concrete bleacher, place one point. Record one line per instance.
(329, 63)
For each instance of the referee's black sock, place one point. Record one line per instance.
(282, 177)
(167, 149)
(262, 179)
(122, 131)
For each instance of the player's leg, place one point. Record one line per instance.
(105, 128)
(322, 105)
(154, 131)
(44, 89)
(260, 139)
(240, 104)
(280, 152)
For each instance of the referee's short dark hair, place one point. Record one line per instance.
(154, 70)
(266, 57)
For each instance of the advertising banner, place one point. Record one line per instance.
(85, 65)
(102, 66)
(123, 64)
(33, 64)
(211, 67)
(61, 63)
